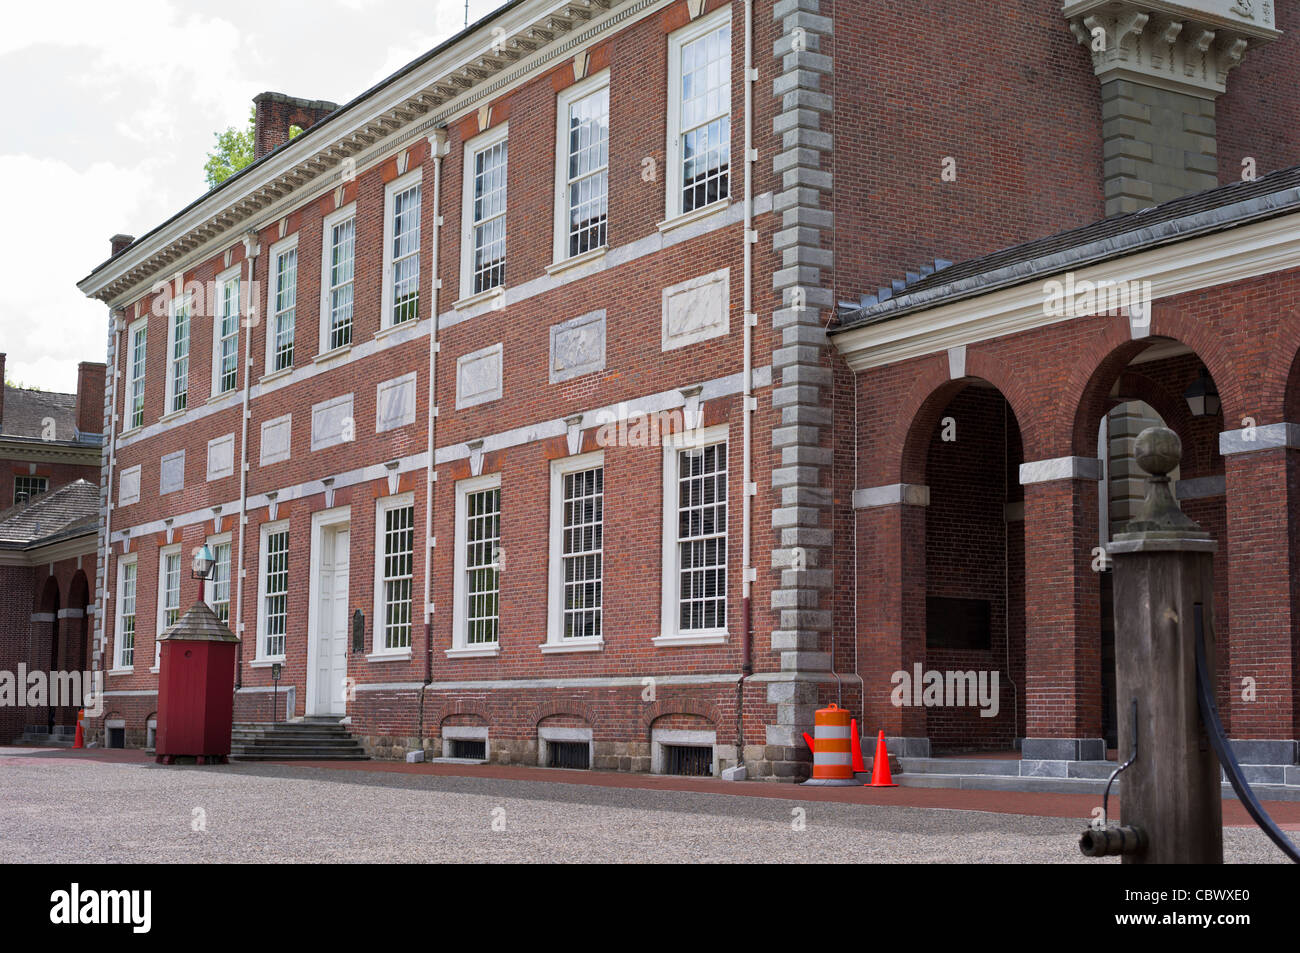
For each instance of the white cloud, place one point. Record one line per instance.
(130, 95)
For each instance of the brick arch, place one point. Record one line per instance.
(48, 596)
(463, 707)
(934, 391)
(1087, 393)
(566, 707)
(1291, 398)
(681, 706)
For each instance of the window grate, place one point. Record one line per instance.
(474, 748)
(117, 737)
(688, 760)
(568, 754)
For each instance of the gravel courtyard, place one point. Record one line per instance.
(65, 810)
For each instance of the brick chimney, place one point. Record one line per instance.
(276, 112)
(119, 243)
(2, 393)
(1162, 65)
(90, 397)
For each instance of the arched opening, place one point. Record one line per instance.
(966, 447)
(1144, 384)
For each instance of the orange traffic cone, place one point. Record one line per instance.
(80, 740)
(859, 767)
(880, 776)
(807, 739)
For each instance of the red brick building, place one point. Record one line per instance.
(505, 391)
(50, 449)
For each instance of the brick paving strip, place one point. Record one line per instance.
(1027, 804)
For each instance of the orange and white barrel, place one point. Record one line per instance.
(832, 747)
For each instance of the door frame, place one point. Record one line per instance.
(322, 521)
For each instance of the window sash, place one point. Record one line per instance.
(286, 300)
(221, 583)
(228, 344)
(126, 617)
(488, 214)
(276, 602)
(180, 356)
(25, 487)
(404, 275)
(582, 552)
(482, 566)
(397, 575)
(702, 537)
(341, 274)
(704, 134)
(139, 341)
(587, 172)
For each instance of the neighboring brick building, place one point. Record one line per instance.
(50, 447)
(530, 432)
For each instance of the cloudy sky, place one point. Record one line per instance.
(109, 113)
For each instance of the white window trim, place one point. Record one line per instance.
(183, 301)
(478, 144)
(460, 623)
(275, 251)
(400, 184)
(131, 331)
(234, 273)
(265, 530)
(378, 650)
(564, 99)
(670, 634)
(159, 622)
(122, 563)
(333, 219)
(673, 198)
(555, 640)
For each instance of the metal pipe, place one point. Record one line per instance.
(748, 401)
(251, 250)
(1112, 841)
(112, 421)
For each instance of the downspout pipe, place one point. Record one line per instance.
(251, 250)
(117, 328)
(750, 402)
(438, 142)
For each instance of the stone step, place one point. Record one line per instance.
(358, 755)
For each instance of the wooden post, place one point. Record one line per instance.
(1163, 568)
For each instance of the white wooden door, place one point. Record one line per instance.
(332, 630)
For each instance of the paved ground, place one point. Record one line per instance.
(116, 807)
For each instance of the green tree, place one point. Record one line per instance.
(234, 150)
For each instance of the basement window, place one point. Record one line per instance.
(568, 754)
(470, 748)
(117, 737)
(688, 760)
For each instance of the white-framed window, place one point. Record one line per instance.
(138, 339)
(582, 167)
(695, 537)
(124, 638)
(281, 304)
(169, 595)
(699, 114)
(394, 572)
(577, 538)
(217, 589)
(402, 249)
(273, 591)
(225, 332)
(338, 270)
(25, 487)
(477, 612)
(483, 245)
(178, 353)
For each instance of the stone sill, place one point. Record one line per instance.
(694, 215)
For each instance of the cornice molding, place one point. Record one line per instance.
(1188, 46)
